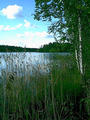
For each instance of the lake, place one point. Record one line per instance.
(24, 63)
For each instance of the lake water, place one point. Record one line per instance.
(23, 63)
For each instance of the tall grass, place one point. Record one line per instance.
(53, 95)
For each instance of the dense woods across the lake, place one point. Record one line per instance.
(5, 48)
(51, 47)
(57, 47)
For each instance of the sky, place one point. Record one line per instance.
(18, 27)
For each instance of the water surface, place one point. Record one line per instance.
(23, 63)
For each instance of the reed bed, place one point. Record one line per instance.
(51, 91)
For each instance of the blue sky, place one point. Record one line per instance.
(18, 27)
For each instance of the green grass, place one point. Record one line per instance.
(53, 96)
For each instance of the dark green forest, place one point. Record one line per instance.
(6, 48)
(57, 47)
(51, 47)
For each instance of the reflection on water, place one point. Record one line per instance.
(28, 63)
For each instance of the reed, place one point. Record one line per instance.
(54, 94)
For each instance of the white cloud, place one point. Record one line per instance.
(1, 27)
(27, 24)
(9, 28)
(34, 34)
(19, 26)
(28, 39)
(9, 41)
(26, 35)
(20, 35)
(41, 34)
(34, 39)
(12, 11)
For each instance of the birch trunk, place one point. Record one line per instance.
(80, 46)
(81, 66)
(76, 56)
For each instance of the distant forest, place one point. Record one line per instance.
(51, 47)
(57, 47)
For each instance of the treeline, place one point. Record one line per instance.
(57, 47)
(51, 47)
(5, 48)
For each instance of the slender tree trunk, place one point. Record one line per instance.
(76, 56)
(81, 67)
(80, 46)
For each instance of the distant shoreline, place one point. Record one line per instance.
(5, 48)
(51, 47)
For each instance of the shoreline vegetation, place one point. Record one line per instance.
(51, 47)
(58, 95)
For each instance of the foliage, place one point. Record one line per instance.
(63, 15)
(57, 47)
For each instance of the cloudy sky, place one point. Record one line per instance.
(18, 27)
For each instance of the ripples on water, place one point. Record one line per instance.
(28, 63)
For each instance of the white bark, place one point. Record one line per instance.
(80, 46)
(76, 56)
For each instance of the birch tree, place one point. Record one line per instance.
(66, 18)
(70, 22)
